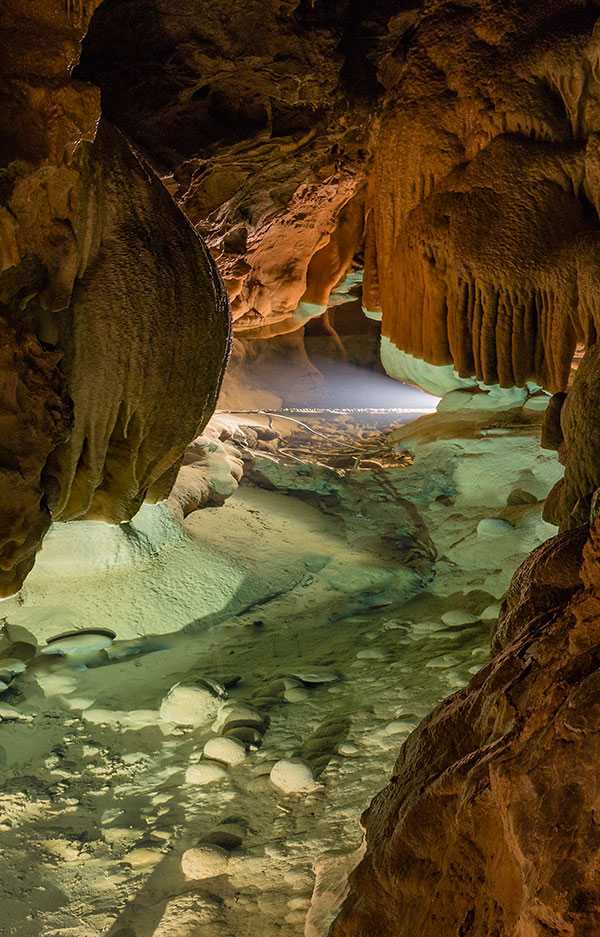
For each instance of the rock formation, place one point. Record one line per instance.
(571, 428)
(484, 194)
(488, 823)
(113, 319)
(478, 225)
(244, 111)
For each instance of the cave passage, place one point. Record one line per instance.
(299, 468)
(259, 668)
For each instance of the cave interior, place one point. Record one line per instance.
(299, 443)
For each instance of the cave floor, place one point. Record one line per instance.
(292, 598)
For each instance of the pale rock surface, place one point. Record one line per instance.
(292, 777)
(204, 862)
(228, 751)
(189, 706)
(205, 773)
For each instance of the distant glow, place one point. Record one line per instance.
(349, 387)
(353, 410)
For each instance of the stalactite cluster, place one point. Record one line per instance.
(484, 231)
(114, 321)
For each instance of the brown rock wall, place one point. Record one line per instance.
(114, 322)
(488, 825)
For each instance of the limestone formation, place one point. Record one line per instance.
(578, 443)
(450, 150)
(253, 133)
(480, 249)
(113, 321)
(488, 823)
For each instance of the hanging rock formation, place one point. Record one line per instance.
(474, 129)
(113, 320)
(484, 194)
(243, 108)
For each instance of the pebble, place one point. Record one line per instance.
(491, 613)
(425, 627)
(371, 653)
(316, 675)
(457, 617)
(491, 527)
(204, 862)
(397, 727)
(291, 777)
(189, 706)
(249, 737)
(9, 713)
(296, 695)
(442, 662)
(238, 714)
(226, 750)
(205, 773)
(347, 749)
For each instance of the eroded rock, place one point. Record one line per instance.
(487, 822)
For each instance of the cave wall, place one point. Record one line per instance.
(244, 110)
(466, 133)
(488, 823)
(484, 192)
(114, 320)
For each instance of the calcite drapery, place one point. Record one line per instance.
(481, 125)
(482, 242)
(113, 320)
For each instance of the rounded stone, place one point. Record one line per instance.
(226, 750)
(458, 616)
(491, 527)
(204, 862)
(371, 653)
(292, 777)
(233, 715)
(189, 706)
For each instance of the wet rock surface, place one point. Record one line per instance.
(486, 824)
(112, 771)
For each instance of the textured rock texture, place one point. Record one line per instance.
(488, 825)
(451, 150)
(113, 319)
(572, 428)
(245, 109)
(484, 192)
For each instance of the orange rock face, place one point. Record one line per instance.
(103, 287)
(474, 129)
(484, 194)
(579, 446)
(489, 823)
(243, 108)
